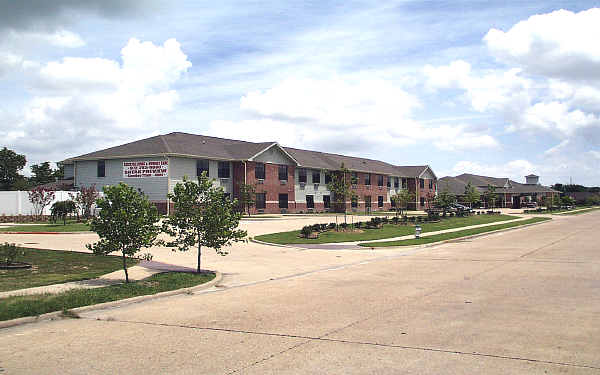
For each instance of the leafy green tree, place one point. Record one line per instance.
(202, 217)
(401, 200)
(490, 196)
(341, 188)
(444, 200)
(127, 222)
(59, 172)
(556, 201)
(62, 209)
(567, 201)
(471, 195)
(42, 173)
(11, 164)
(247, 194)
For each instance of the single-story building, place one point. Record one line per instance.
(510, 194)
(285, 179)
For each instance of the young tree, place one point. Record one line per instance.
(340, 186)
(247, 194)
(11, 164)
(471, 194)
(85, 199)
(490, 196)
(62, 209)
(401, 200)
(444, 200)
(40, 198)
(126, 223)
(202, 217)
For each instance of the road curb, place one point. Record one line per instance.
(101, 306)
(276, 244)
(432, 244)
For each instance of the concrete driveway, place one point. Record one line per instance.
(524, 301)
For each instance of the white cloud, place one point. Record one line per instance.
(334, 114)
(560, 44)
(9, 61)
(99, 101)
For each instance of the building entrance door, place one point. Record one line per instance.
(516, 202)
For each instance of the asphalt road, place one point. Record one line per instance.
(524, 301)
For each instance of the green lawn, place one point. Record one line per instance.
(452, 235)
(388, 231)
(571, 212)
(58, 227)
(55, 266)
(20, 306)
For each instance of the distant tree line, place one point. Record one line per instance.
(11, 165)
(573, 188)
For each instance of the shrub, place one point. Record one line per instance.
(331, 226)
(316, 227)
(411, 219)
(323, 227)
(344, 225)
(9, 253)
(395, 220)
(306, 231)
(358, 224)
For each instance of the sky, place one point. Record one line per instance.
(498, 88)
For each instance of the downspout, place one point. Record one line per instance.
(417, 192)
(168, 184)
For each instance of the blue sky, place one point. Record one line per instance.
(499, 88)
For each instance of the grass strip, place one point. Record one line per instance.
(57, 266)
(580, 211)
(33, 305)
(452, 235)
(58, 227)
(388, 231)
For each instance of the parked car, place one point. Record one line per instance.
(460, 207)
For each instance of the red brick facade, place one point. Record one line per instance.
(270, 185)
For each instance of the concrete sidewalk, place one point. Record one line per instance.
(136, 273)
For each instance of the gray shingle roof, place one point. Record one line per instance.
(194, 145)
(456, 185)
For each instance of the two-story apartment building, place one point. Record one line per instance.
(285, 179)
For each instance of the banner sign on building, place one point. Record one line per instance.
(143, 169)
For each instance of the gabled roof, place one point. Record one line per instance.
(477, 180)
(200, 146)
(456, 185)
(323, 160)
(184, 144)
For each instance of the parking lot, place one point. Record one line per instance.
(523, 301)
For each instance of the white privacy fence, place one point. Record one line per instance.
(17, 202)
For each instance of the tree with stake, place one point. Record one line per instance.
(203, 216)
(127, 222)
(247, 194)
(490, 196)
(401, 200)
(444, 200)
(471, 194)
(340, 186)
